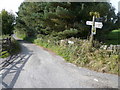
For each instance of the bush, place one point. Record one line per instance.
(15, 47)
(7, 22)
(65, 34)
(20, 33)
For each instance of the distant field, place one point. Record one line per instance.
(113, 37)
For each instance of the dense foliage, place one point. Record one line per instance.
(7, 22)
(47, 18)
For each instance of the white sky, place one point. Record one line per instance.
(115, 4)
(12, 5)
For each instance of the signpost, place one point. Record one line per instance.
(96, 17)
(94, 26)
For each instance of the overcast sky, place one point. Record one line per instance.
(12, 5)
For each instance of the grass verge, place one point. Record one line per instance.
(113, 37)
(81, 54)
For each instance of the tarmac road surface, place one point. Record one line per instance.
(36, 67)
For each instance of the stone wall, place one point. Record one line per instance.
(113, 48)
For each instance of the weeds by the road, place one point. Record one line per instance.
(81, 54)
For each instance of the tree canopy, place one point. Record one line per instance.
(7, 20)
(48, 17)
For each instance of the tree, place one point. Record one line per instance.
(48, 17)
(30, 17)
(7, 22)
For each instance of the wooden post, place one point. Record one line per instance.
(92, 29)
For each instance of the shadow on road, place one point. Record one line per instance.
(11, 73)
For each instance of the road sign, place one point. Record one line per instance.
(97, 24)
(89, 23)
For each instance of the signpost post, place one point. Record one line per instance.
(94, 26)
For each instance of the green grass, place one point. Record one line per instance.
(114, 34)
(113, 37)
(4, 54)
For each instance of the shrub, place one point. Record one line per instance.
(20, 33)
(15, 47)
(65, 34)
